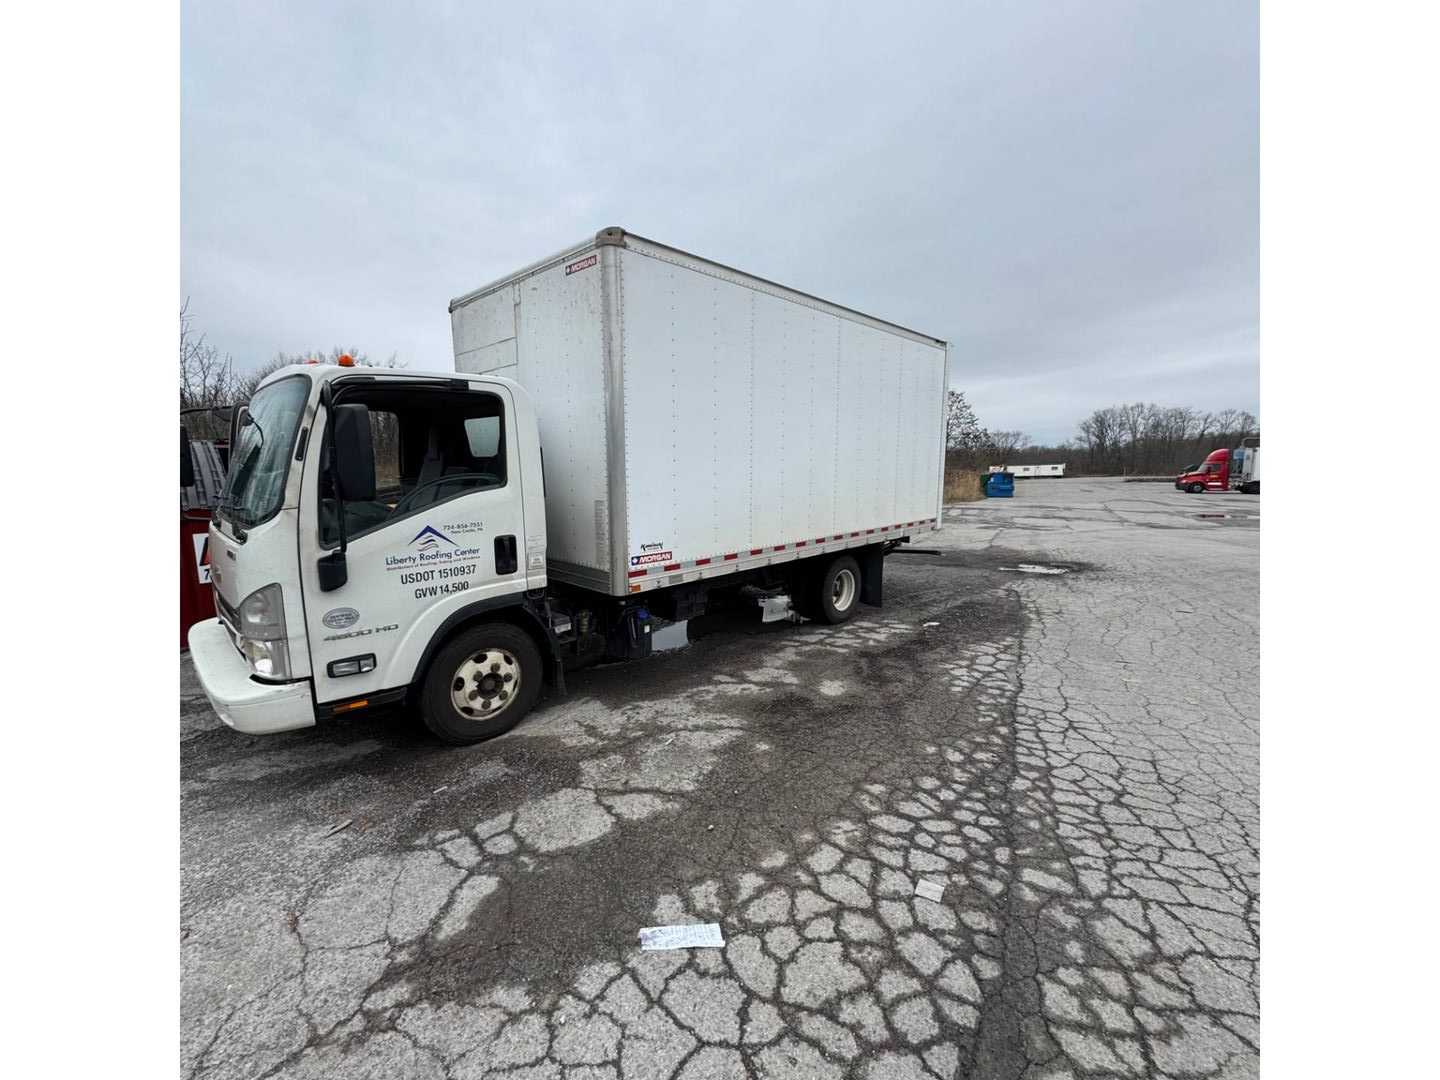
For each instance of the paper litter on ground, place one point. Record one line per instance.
(689, 936)
(1031, 568)
(929, 890)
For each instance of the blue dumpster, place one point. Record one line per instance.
(1000, 485)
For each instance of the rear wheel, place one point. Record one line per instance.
(481, 684)
(838, 592)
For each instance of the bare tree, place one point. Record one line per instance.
(1005, 443)
(207, 381)
(1101, 434)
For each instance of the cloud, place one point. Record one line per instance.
(1068, 192)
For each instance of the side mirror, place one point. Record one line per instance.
(354, 452)
(332, 571)
(187, 463)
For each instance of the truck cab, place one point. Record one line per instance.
(1213, 474)
(377, 526)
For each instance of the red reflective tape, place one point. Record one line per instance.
(757, 551)
(869, 531)
(702, 562)
(798, 543)
(819, 540)
(672, 566)
(779, 547)
(838, 536)
(855, 534)
(732, 555)
(638, 573)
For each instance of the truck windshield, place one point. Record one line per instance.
(260, 456)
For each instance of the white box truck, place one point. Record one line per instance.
(631, 434)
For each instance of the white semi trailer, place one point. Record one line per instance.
(1245, 466)
(1023, 472)
(631, 434)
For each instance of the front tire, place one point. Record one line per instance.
(838, 592)
(1196, 488)
(481, 684)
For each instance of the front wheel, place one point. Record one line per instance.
(838, 592)
(1196, 488)
(481, 684)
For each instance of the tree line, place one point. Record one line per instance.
(210, 386)
(1120, 440)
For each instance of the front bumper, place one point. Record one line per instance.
(246, 705)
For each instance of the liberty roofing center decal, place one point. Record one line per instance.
(431, 547)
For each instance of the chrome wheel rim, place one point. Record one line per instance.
(842, 591)
(485, 684)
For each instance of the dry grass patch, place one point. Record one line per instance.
(962, 485)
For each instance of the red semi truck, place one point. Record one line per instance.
(1225, 470)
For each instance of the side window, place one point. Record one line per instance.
(483, 433)
(429, 448)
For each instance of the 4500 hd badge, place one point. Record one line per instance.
(366, 632)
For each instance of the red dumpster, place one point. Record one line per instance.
(196, 601)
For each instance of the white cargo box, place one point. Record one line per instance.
(696, 420)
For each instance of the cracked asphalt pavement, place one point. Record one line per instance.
(1073, 757)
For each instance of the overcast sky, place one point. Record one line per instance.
(1069, 192)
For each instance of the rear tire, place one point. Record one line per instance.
(837, 594)
(481, 684)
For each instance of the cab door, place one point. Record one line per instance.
(444, 531)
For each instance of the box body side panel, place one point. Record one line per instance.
(754, 421)
(554, 349)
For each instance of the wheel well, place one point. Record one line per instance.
(870, 559)
(514, 615)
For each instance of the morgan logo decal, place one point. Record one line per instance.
(341, 617)
(581, 264)
(651, 557)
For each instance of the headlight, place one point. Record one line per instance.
(263, 640)
(268, 659)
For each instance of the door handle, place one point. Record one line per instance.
(506, 559)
